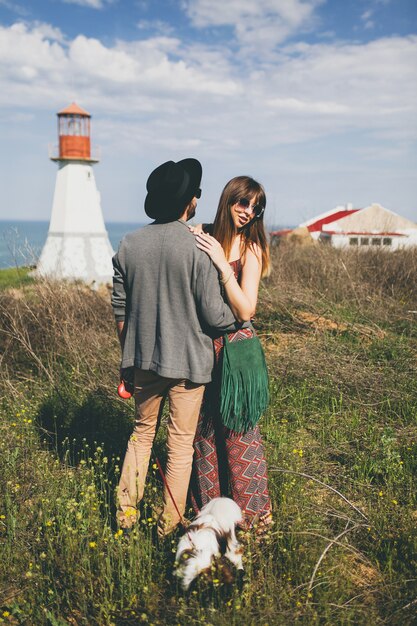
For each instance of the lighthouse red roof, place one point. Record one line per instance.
(74, 109)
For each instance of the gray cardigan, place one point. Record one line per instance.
(167, 292)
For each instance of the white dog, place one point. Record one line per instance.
(210, 535)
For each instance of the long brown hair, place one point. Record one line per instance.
(224, 229)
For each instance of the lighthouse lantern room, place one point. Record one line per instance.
(74, 133)
(77, 246)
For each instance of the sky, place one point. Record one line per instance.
(316, 99)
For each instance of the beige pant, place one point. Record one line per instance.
(185, 400)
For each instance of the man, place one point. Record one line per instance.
(166, 299)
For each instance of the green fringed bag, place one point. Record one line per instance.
(244, 389)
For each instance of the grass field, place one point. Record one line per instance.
(340, 335)
(14, 277)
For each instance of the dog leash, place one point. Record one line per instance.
(164, 480)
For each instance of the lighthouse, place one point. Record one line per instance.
(77, 246)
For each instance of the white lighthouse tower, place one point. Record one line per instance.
(77, 247)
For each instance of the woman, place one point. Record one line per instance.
(226, 462)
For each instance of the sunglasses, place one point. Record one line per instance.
(198, 193)
(258, 209)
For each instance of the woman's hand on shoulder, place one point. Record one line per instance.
(213, 248)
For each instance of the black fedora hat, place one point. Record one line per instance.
(171, 186)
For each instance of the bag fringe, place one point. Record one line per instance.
(244, 396)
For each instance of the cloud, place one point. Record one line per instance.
(367, 14)
(159, 26)
(267, 21)
(35, 62)
(14, 7)
(217, 12)
(25, 55)
(366, 19)
(47, 32)
(96, 61)
(295, 105)
(91, 4)
(159, 92)
(154, 68)
(352, 86)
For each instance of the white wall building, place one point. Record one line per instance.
(373, 226)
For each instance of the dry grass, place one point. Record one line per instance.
(49, 324)
(346, 275)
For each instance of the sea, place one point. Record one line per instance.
(21, 242)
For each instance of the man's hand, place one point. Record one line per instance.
(121, 333)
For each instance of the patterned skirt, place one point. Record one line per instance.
(227, 463)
